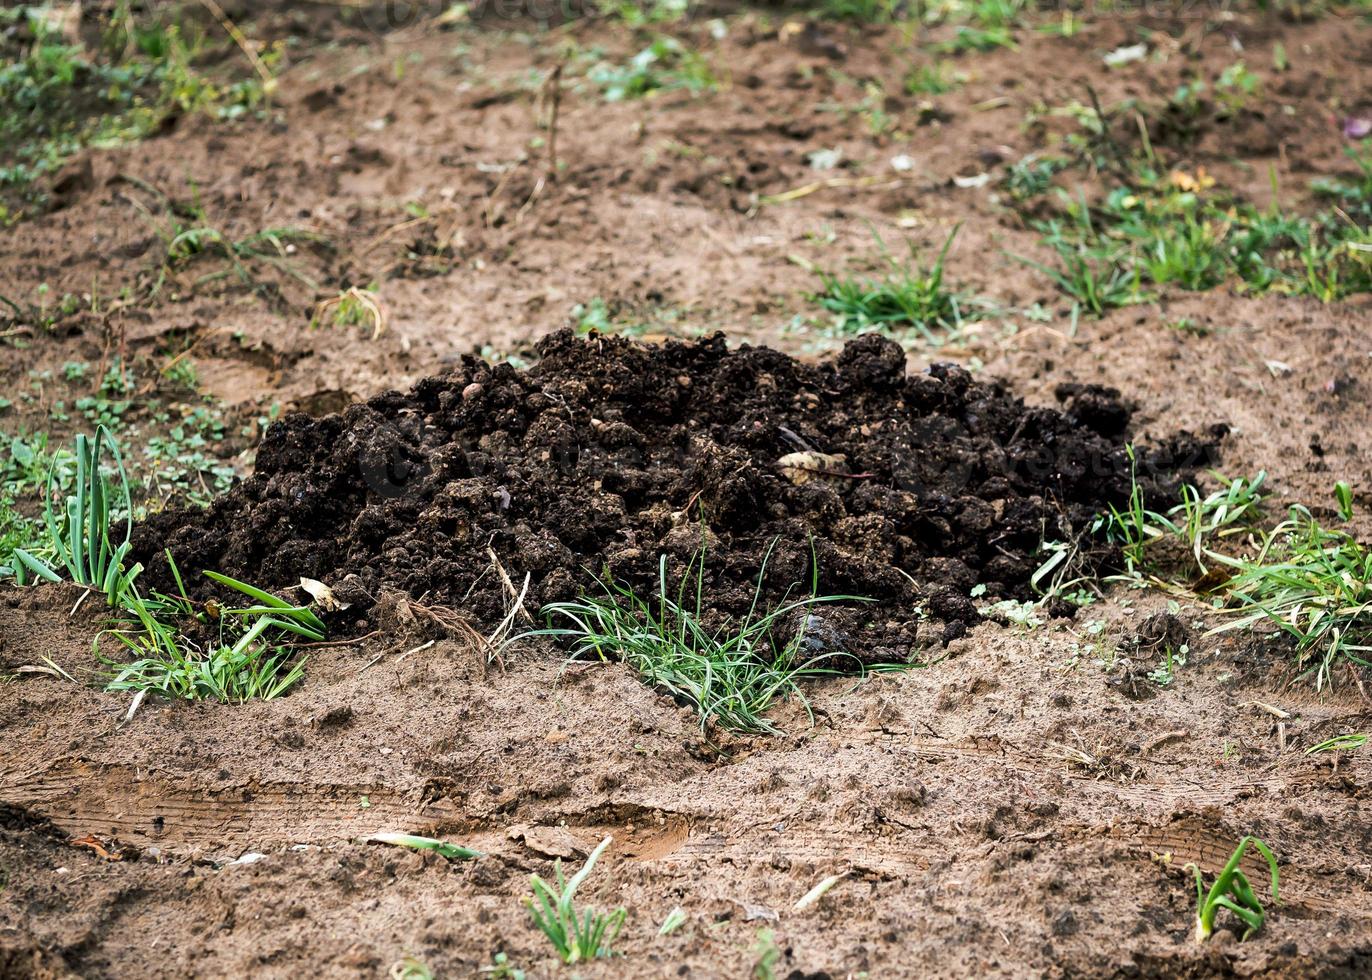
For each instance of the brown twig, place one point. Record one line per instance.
(239, 38)
(554, 83)
(1105, 134)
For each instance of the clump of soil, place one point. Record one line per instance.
(608, 455)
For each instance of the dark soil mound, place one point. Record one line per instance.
(612, 454)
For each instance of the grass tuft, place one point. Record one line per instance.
(1313, 584)
(908, 296)
(181, 649)
(731, 675)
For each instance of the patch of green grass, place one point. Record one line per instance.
(577, 936)
(248, 655)
(937, 77)
(981, 39)
(1088, 268)
(864, 11)
(1307, 581)
(1199, 522)
(731, 674)
(908, 297)
(1232, 891)
(665, 65)
(182, 649)
(59, 97)
(1161, 234)
(1313, 584)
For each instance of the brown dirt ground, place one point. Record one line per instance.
(1005, 811)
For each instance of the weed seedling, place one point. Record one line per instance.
(576, 937)
(1232, 891)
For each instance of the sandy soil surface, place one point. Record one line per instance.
(1022, 803)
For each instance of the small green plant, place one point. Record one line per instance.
(353, 307)
(502, 969)
(1232, 891)
(675, 920)
(981, 39)
(1172, 658)
(251, 658)
(79, 536)
(1236, 85)
(1032, 176)
(575, 936)
(907, 297)
(665, 65)
(730, 675)
(641, 13)
(936, 77)
(767, 954)
(1312, 583)
(1343, 495)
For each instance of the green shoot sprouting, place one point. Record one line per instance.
(1232, 891)
(1343, 494)
(575, 937)
(675, 920)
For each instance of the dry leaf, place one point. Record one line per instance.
(323, 595)
(1183, 181)
(109, 850)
